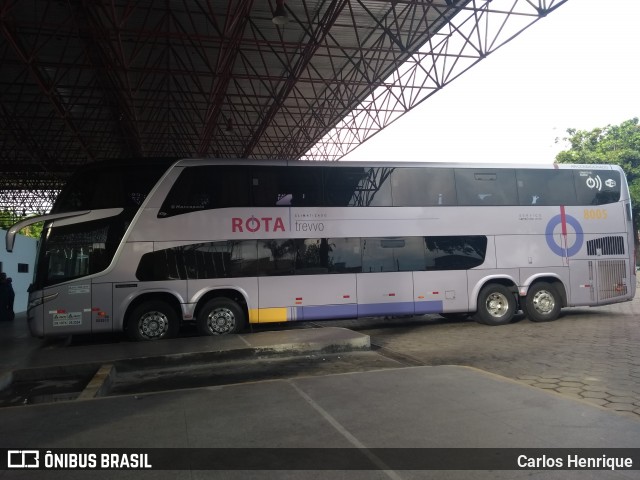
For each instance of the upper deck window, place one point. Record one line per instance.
(546, 187)
(286, 186)
(358, 187)
(421, 187)
(207, 187)
(486, 187)
(597, 187)
(109, 186)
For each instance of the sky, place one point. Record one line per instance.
(577, 68)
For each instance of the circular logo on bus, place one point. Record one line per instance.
(570, 251)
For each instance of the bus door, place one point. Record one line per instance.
(101, 307)
(69, 310)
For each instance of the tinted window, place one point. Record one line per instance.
(166, 264)
(246, 258)
(109, 186)
(287, 186)
(276, 257)
(199, 261)
(486, 187)
(546, 187)
(77, 250)
(455, 253)
(221, 259)
(327, 255)
(393, 254)
(344, 255)
(207, 187)
(597, 187)
(311, 256)
(357, 187)
(417, 187)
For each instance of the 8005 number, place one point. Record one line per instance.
(595, 214)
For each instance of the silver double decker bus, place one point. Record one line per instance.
(141, 247)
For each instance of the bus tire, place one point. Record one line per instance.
(542, 303)
(152, 320)
(220, 316)
(496, 305)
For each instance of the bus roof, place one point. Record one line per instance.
(189, 162)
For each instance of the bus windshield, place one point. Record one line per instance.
(74, 251)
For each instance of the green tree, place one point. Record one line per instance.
(7, 219)
(617, 144)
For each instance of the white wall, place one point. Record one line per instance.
(24, 251)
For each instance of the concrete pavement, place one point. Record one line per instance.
(418, 407)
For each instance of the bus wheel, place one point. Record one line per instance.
(496, 305)
(153, 320)
(220, 316)
(543, 303)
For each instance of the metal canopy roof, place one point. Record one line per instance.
(88, 80)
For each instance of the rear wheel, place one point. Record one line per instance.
(496, 305)
(543, 303)
(152, 320)
(220, 316)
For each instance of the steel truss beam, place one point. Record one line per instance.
(480, 28)
(85, 80)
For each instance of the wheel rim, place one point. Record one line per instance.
(221, 321)
(543, 302)
(153, 325)
(497, 305)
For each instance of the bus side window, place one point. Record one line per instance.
(358, 187)
(455, 252)
(303, 185)
(421, 187)
(486, 186)
(341, 185)
(597, 187)
(276, 257)
(189, 193)
(229, 187)
(287, 186)
(343, 255)
(545, 187)
(264, 186)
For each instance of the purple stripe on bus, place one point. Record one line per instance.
(377, 309)
(327, 312)
(433, 306)
(330, 312)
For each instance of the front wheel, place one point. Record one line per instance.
(220, 316)
(152, 320)
(543, 303)
(496, 305)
